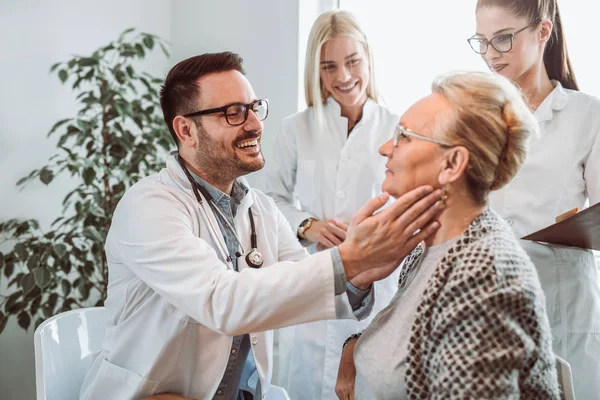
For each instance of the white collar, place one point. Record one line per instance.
(557, 100)
(336, 110)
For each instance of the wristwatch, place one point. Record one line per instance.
(304, 225)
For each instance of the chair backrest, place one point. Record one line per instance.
(64, 346)
(565, 380)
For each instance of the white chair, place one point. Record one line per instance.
(64, 346)
(565, 380)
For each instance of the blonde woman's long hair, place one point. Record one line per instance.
(330, 24)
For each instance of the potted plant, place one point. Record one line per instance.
(117, 137)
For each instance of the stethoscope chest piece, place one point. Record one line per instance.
(254, 258)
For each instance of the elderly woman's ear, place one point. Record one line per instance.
(453, 165)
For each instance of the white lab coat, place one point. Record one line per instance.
(329, 175)
(562, 171)
(174, 303)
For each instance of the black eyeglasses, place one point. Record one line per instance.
(501, 43)
(237, 113)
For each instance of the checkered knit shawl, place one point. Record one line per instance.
(481, 329)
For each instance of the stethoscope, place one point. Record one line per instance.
(254, 258)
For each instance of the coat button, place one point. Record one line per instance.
(220, 392)
(254, 340)
(341, 194)
(510, 221)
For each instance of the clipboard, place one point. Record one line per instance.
(581, 230)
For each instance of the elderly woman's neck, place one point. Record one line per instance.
(455, 218)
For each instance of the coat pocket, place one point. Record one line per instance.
(114, 382)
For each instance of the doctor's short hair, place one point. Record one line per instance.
(180, 93)
(490, 118)
(331, 24)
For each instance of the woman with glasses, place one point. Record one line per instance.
(324, 167)
(523, 40)
(468, 320)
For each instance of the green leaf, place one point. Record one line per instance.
(47, 310)
(65, 286)
(13, 305)
(54, 66)
(22, 228)
(84, 125)
(60, 249)
(33, 262)
(24, 320)
(88, 268)
(87, 62)
(42, 276)
(27, 284)
(140, 50)
(35, 305)
(3, 322)
(21, 251)
(46, 176)
(9, 268)
(84, 289)
(58, 125)
(148, 42)
(52, 299)
(125, 32)
(164, 50)
(22, 180)
(62, 75)
(89, 174)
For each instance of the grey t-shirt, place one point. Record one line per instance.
(380, 353)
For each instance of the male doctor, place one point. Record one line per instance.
(202, 268)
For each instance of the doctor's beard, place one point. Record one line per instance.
(222, 161)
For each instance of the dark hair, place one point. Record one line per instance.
(556, 58)
(180, 92)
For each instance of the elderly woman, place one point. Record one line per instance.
(468, 319)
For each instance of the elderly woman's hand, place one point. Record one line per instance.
(344, 386)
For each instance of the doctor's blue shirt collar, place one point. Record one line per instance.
(221, 199)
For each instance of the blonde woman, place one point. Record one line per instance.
(324, 167)
(469, 319)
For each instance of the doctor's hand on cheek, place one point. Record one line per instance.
(376, 243)
(326, 234)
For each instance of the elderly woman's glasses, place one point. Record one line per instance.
(401, 134)
(236, 114)
(501, 43)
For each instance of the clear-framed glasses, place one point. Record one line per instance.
(501, 43)
(401, 135)
(237, 113)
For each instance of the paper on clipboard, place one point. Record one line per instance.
(581, 230)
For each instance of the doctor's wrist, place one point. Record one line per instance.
(351, 261)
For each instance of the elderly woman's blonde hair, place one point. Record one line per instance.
(492, 121)
(330, 24)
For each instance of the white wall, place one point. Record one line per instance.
(33, 36)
